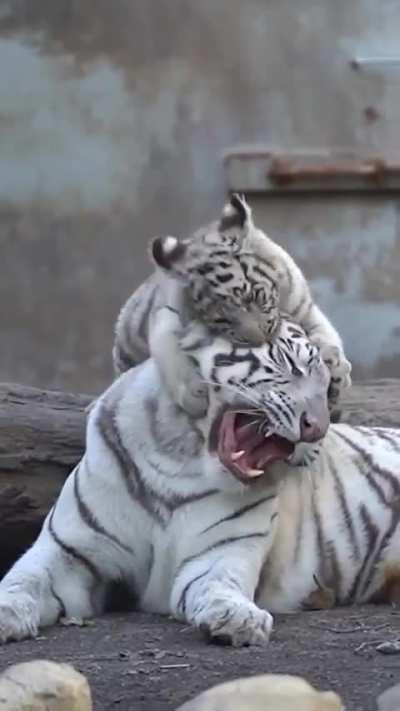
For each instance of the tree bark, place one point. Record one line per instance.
(42, 437)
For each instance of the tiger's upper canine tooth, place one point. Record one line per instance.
(237, 455)
(254, 472)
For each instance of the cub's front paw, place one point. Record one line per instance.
(238, 623)
(339, 366)
(19, 617)
(193, 395)
(340, 369)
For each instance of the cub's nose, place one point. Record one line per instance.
(311, 428)
(249, 330)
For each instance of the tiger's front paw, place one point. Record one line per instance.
(239, 623)
(19, 617)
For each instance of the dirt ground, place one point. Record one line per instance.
(148, 663)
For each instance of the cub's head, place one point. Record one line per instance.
(267, 403)
(228, 287)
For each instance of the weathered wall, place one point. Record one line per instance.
(113, 120)
(349, 246)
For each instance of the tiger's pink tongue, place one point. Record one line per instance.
(244, 450)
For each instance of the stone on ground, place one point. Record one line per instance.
(269, 692)
(42, 685)
(389, 700)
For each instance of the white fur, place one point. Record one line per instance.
(228, 210)
(169, 244)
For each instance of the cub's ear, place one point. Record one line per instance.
(166, 252)
(236, 213)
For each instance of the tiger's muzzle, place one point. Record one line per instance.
(242, 446)
(247, 449)
(315, 419)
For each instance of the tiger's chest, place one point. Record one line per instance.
(196, 530)
(338, 533)
(310, 564)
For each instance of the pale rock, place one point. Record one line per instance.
(269, 692)
(389, 700)
(42, 685)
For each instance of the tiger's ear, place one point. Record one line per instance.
(236, 213)
(166, 252)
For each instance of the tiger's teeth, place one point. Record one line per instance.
(254, 472)
(237, 455)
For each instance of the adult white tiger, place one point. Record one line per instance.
(211, 523)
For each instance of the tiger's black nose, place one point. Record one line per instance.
(311, 430)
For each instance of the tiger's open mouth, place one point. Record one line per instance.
(245, 450)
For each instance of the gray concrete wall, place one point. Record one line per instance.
(113, 120)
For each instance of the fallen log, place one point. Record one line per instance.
(42, 436)
(41, 439)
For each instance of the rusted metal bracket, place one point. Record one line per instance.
(375, 62)
(259, 171)
(289, 170)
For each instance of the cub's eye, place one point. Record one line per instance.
(221, 321)
(222, 360)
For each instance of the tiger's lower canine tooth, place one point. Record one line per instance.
(254, 472)
(237, 455)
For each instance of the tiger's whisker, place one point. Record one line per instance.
(246, 392)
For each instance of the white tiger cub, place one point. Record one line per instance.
(208, 521)
(236, 281)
